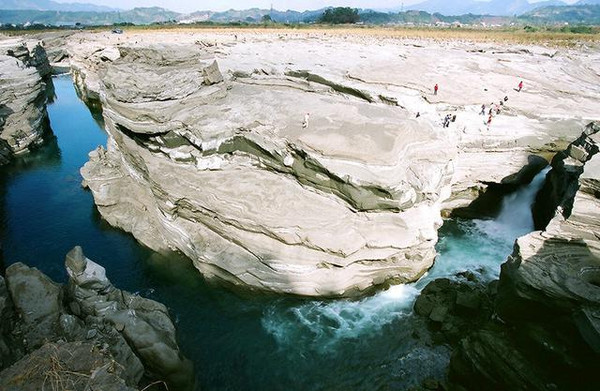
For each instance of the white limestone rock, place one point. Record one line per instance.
(249, 196)
(226, 173)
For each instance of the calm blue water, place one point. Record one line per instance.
(238, 341)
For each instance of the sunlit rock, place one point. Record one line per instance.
(251, 196)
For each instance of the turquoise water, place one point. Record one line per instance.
(237, 340)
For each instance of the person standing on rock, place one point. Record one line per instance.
(520, 86)
(435, 89)
(447, 120)
(305, 122)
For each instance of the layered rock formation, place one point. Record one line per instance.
(55, 44)
(187, 146)
(85, 335)
(24, 71)
(224, 171)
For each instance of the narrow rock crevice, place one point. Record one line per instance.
(311, 77)
(488, 202)
(562, 182)
(540, 328)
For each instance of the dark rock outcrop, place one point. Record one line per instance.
(543, 332)
(561, 184)
(53, 324)
(455, 307)
(65, 366)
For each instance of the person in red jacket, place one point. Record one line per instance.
(520, 86)
(435, 89)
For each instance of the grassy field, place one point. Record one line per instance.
(515, 35)
(544, 36)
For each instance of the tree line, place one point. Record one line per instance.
(340, 15)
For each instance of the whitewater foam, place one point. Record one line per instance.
(479, 246)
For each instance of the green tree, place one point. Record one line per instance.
(340, 15)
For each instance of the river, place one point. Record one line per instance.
(238, 340)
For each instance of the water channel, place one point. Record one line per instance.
(238, 340)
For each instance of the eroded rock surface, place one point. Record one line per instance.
(85, 333)
(222, 169)
(24, 71)
(278, 175)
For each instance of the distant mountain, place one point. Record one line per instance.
(472, 13)
(425, 18)
(446, 7)
(575, 14)
(494, 7)
(49, 5)
(591, 2)
(60, 18)
(253, 15)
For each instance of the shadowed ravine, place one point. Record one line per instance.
(238, 340)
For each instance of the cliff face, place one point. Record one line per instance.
(224, 170)
(567, 251)
(546, 333)
(24, 75)
(213, 158)
(560, 189)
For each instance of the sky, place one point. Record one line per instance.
(221, 5)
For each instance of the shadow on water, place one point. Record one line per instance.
(50, 90)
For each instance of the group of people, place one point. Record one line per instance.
(494, 108)
(447, 119)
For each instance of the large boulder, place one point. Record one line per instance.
(144, 324)
(116, 328)
(77, 366)
(454, 307)
(38, 303)
(562, 182)
(230, 174)
(11, 345)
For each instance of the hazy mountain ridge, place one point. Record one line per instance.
(49, 5)
(574, 14)
(254, 15)
(145, 15)
(493, 7)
